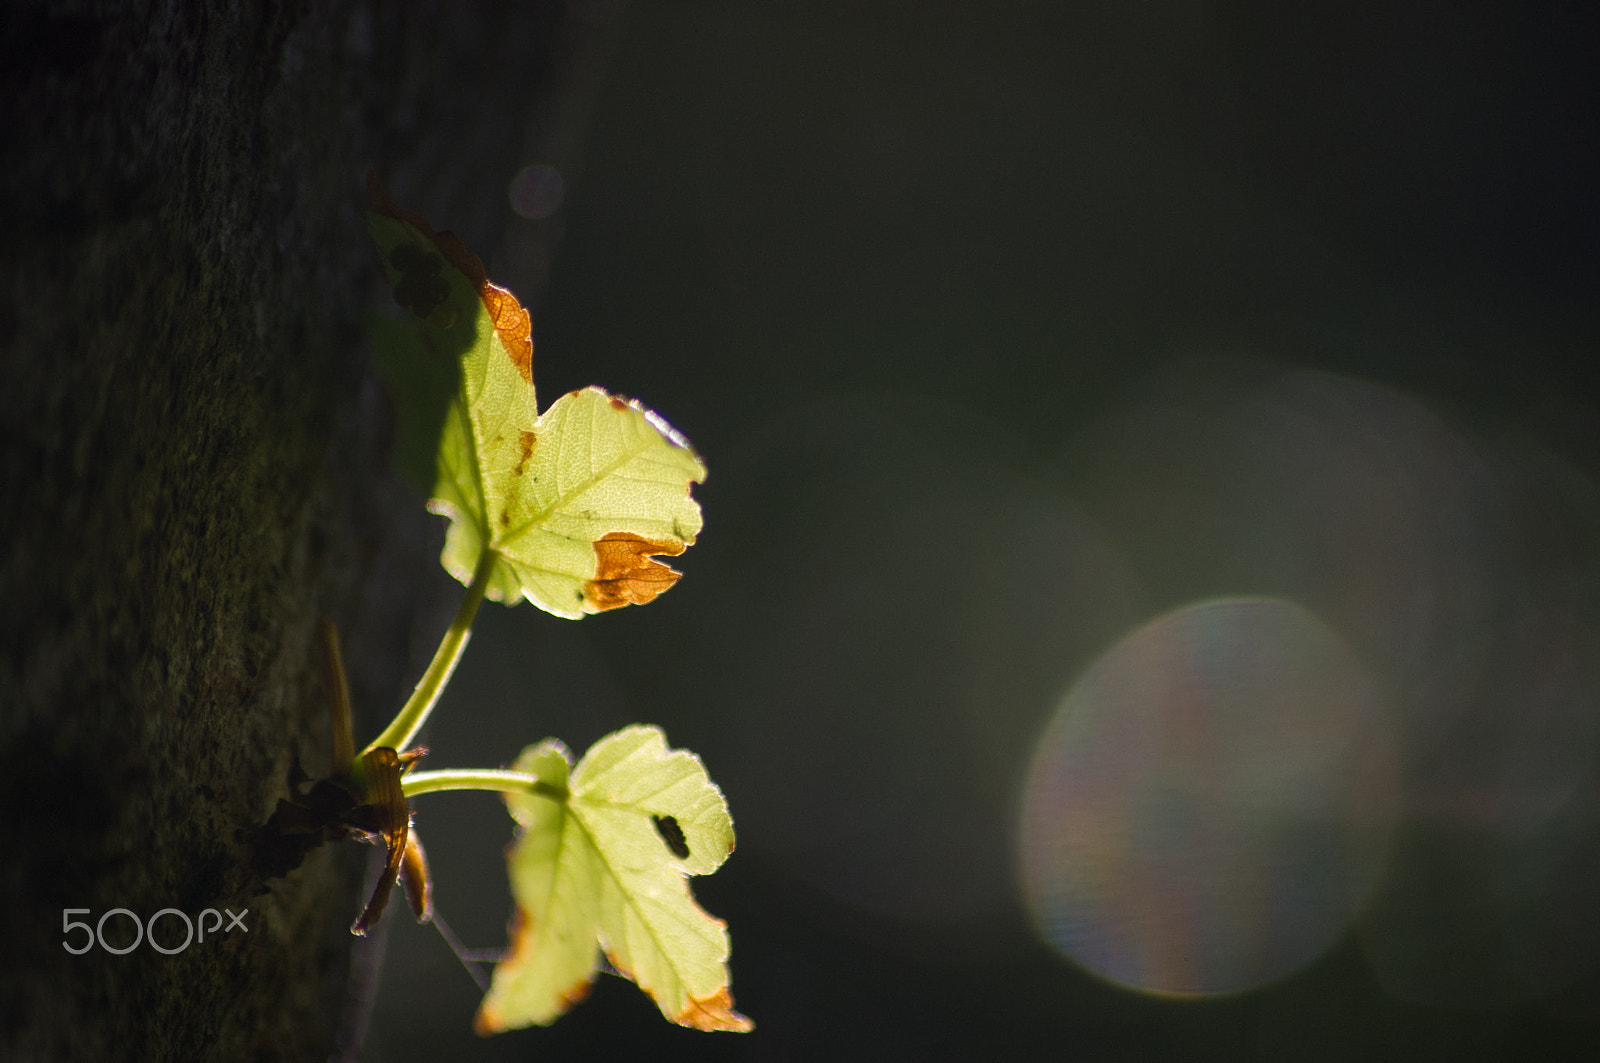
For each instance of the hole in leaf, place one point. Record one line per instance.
(672, 834)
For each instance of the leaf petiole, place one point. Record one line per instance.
(404, 727)
(511, 782)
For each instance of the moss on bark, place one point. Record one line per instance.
(194, 472)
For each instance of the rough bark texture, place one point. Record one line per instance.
(194, 472)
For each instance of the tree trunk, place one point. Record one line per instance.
(196, 472)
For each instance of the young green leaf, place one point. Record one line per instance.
(596, 871)
(575, 502)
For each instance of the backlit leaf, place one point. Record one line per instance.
(597, 872)
(576, 502)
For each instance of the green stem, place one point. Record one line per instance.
(511, 782)
(404, 727)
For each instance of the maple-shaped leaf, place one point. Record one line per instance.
(605, 869)
(575, 502)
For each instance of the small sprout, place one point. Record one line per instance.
(569, 509)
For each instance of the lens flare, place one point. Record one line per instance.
(1213, 802)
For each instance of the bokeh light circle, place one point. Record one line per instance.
(1213, 802)
(536, 191)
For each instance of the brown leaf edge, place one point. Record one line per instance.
(524, 941)
(714, 1012)
(511, 322)
(626, 573)
(709, 1013)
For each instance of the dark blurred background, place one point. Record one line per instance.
(1150, 593)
